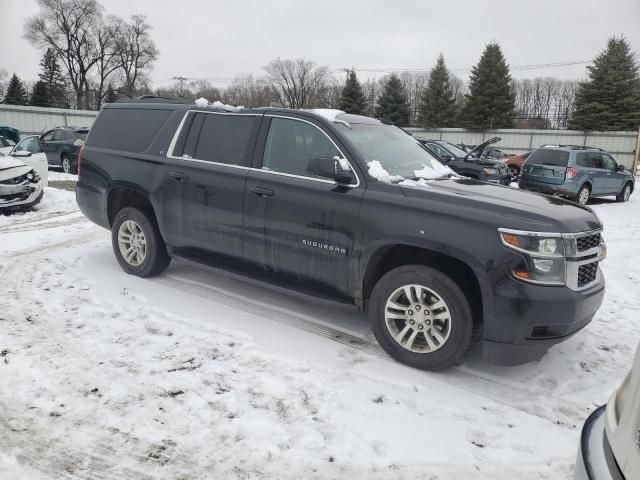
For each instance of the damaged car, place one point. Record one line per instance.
(23, 177)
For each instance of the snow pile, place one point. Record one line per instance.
(202, 102)
(327, 113)
(377, 171)
(436, 170)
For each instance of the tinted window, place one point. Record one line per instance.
(292, 144)
(438, 150)
(544, 156)
(589, 160)
(127, 129)
(222, 139)
(57, 135)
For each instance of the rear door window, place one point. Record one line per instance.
(543, 156)
(57, 136)
(589, 160)
(220, 138)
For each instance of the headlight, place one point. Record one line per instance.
(544, 256)
(489, 170)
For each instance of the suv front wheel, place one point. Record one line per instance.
(625, 194)
(421, 317)
(67, 165)
(137, 243)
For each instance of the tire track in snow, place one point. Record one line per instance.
(464, 378)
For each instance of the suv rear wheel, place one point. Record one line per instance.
(583, 195)
(624, 194)
(138, 244)
(421, 317)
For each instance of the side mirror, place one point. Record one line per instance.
(335, 168)
(446, 158)
(620, 168)
(21, 153)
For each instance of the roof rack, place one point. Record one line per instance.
(571, 147)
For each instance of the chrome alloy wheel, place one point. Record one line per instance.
(132, 243)
(418, 319)
(66, 165)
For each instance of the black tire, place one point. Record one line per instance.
(580, 195)
(68, 165)
(156, 260)
(624, 196)
(461, 321)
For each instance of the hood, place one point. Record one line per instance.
(480, 148)
(505, 207)
(11, 167)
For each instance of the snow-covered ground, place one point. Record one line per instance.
(194, 375)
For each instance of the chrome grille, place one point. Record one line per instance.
(587, 274)
(588, 242)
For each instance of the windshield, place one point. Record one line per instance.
(453, 149)
(391, 151)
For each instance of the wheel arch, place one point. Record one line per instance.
(459, 266)
(122, 195)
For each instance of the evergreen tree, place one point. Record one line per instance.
(352, 98)
(39, 95)
(111, 96)
(393, 104)
(438, 102)
(490, 102)
(610, 98)
(16, 94)
(54, 80)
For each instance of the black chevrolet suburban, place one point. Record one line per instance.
(344, 208)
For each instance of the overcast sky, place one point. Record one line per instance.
(219, 38)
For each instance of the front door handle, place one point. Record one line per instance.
(262, 192)
(178, 175)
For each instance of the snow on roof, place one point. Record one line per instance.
(204, 103)
(328, 113)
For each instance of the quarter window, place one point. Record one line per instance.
(292, 144)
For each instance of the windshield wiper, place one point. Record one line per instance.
(441, 177)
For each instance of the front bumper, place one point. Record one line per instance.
(20, 195)
(595, 459)
(529, 319)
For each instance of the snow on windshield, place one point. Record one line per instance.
(436, 170)
(377, 171)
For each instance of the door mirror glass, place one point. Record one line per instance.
(335, 168)
(446, 158)
(620, 168)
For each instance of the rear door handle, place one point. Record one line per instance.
(178, 175)
(262, 192)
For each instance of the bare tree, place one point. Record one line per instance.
(69, 28)
(250, 91)
(136, 52)
(413, 84)
(297, 82)
(371, 89)
(107, 55)
(203, 88)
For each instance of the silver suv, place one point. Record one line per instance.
(576, 172)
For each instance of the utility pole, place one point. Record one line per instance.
(181, 79)
(636, 158)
